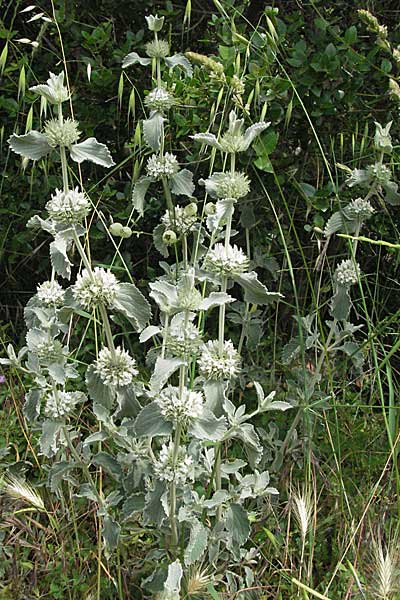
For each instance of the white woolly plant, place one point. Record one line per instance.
(166, 438)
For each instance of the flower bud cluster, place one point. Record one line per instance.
(379, 173)
(98, 287)
(116, 368)
(60, 404)
(157, 49)
(160, 100)
(227, 185)
(61, 134)
(183, 340)
(216, 364)
(180, 407)
(179, 470)
(50, 293)
(359, 209)
(68, 207)
(182, 220)
(162, 166)
(347, 273)
(229, 260)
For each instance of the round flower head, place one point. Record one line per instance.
(48, 351)
(159, 99)
(380, 173)
(159, 166)
(101, 287)
(214, 364)
(180, 471)
(60, 405)
(189, 299)
(50, 293)
(227, 185)
(183, 340)
(157, 49)
(229, 260)
(61, 134)
(347, 273)
(116, 369)
(180, 408)
(68, 207)
(181, 221)
(359, 209)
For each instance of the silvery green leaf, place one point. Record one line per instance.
(154, 513)
(97, 436)
(98, 392)
(358, 177)
(132, 58)
(93, 151)
(55, 91)
(208, 427)
(238, 526)
(252, 132)
(173, 582)
(57, 372)
(223, 210)
(139, 193)
(255, 291)
(31, 145)
(214, 392)
(392, 196)
(151, 423)
(164, 368)
(148, 333)
(197, 543)
(31, 408)
(133, 504)
(340, 303)
(37, 222)
(233, 466)
(48, 439)
(249, 437)
(153, 130)
(154, 22)
(382, 138)
(108, 463)
(277, 405)
(86, 491)
(235, 124)
(59, 257)
(182, 183)
(353, 350)
(128, 404)
(334, 224)
(178, 60)
(133, 305)
(110, 531)
(166, 296)
(291, 350)
(59, 472)
(215, 299)
(158, 241)
(217, 499)
(207, 138)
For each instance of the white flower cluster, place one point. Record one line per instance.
(180, 408)
(179, 471)
(68, 207)
(189, 299)
(227, 185)
(61, 404)
(61, 134)
(214, 364)
(159, 99)
(157, 49)
(48, 351)
(50, 293)
(182, 221)
(347, 273)
(99, 287)
(380, 173)
(229, 260)
(115, 368)
(183, 340)
(359, 209)
(159, 166)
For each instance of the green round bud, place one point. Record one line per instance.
(169, 237)
(210, 208)
(190, 210)
(126, 232)
(116, 229)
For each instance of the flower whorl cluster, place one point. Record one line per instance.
(179, 471)
(229, 260)
(162, 166)
(63, 133)
(359, 209)
(347, 273)
(216, 364)
(48, 351)
(159, 99)
(157, 49)
(182, 221)
(180, 408)
(227, 185)
(183, 340)
(98, 287)
(68, 207)
(379, 173)
(115, 368)
(60, 404)
(50, 293)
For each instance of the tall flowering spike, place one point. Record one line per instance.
(92, 289)
(215, 364)
(50, 293)
(229, 260)
(68, 207)
(180, 407)
(180, 471)
(117, 368)
(347, 273)
(54, 90)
